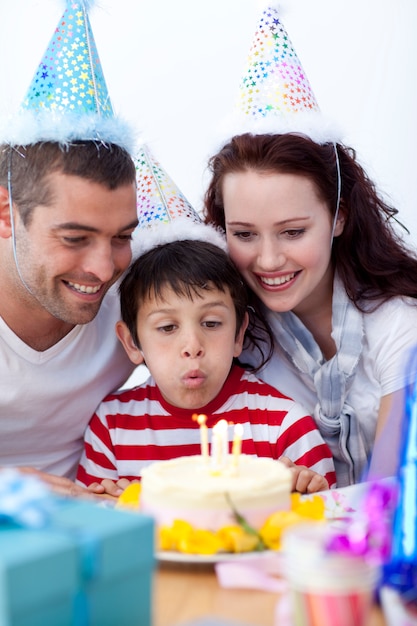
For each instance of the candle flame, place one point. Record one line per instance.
(221, 425)
(200, 419)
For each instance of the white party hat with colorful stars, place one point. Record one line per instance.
(275, 95)
(67, 99)
(164, 212)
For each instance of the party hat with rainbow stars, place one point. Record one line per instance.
(164, 212)
(158, 197)
(275, 95)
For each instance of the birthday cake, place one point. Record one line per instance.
(188, 488)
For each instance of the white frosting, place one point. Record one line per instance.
(185, 488)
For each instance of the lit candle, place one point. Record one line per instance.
(237, 444)
(201, 420)
(219, 445)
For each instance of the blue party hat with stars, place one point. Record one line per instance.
(67, 99)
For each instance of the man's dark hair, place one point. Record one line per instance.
(29, 168)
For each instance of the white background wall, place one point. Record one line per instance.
(173, 67)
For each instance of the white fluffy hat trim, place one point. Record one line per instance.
(29, 127)
(180, 229)
(318, 127)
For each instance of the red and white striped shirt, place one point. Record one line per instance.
(135, 427)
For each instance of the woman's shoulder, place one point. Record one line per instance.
(397, 309)
(391, 328)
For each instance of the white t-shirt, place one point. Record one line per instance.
(47, 398)
(390, 334)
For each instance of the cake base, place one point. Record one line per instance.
(188, 489)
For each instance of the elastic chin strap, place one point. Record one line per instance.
(339, 191)
(9, 190)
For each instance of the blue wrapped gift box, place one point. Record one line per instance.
(89, 566)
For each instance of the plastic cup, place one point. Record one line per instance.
(326, 589)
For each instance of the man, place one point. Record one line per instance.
(69, 243)
(67, 213)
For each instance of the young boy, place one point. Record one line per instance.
(184, 310)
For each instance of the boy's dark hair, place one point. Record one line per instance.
(188, 267)
(30, 167)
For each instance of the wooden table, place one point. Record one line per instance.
(183, 593)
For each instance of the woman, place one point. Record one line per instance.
(316, 244)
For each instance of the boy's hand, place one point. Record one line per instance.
(305, 480)
(109, 487)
